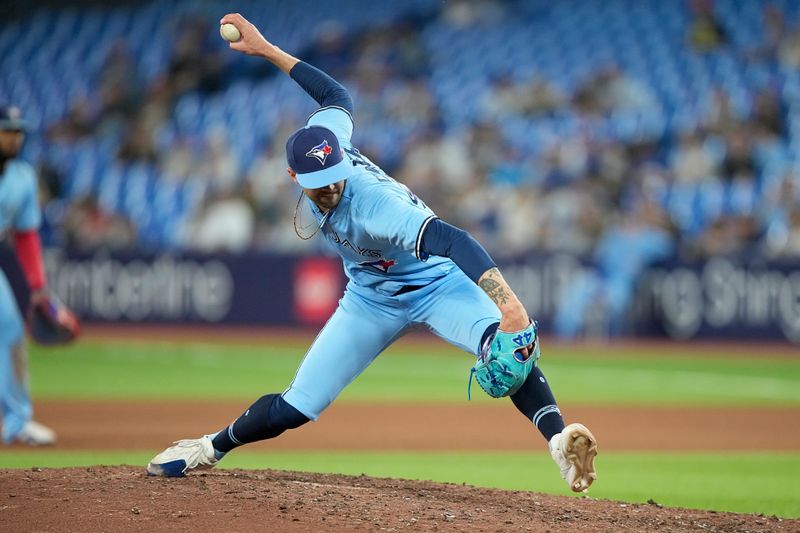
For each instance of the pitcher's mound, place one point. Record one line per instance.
(123, 498)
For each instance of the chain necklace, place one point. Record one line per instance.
(300, 231)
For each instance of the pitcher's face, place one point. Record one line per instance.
(326, 197)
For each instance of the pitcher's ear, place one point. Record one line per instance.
(292, 173)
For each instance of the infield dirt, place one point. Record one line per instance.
(124, 499)
(114, 425)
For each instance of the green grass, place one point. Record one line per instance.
(139, 369)
(723, 482)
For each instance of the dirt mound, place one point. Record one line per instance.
(123, 498)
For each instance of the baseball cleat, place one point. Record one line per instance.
(35, 434)
(182, 456)
(574, 450)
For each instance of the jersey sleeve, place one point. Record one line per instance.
(29, 215)
(335, 118)
(397, 217)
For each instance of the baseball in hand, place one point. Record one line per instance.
(229, 32)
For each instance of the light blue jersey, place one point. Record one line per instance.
(376, 228)
(19, 211)
(19, 205)
(378, 225)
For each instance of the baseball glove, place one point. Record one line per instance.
(500, 369)
(51, 322)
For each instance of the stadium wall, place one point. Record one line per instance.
(720, 298)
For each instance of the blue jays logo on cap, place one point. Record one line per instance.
(316, 143)
(320, 152)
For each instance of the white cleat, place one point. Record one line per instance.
(182, 456)
(35, 434)
(574, 450)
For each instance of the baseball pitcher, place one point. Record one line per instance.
(405, 267)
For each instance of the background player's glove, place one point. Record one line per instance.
(51, 322)
(501, 369)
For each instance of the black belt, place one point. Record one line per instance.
(407, 288)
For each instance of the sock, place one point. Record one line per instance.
(267, 418)
(535, 400)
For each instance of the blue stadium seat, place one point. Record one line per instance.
(58, 57)
(741, 197)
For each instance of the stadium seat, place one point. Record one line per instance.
(59, 56)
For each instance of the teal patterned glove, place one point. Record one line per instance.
(501, 370)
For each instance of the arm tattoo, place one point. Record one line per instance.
(493, 288)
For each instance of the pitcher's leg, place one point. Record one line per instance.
(267, 418)
(458, 311)
(353, 337)
(356, 333)
(534, 399)
(463, 315)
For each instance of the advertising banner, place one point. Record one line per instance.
(248, 289)
(724, 297)
(721, 298)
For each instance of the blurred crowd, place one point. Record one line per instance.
(619, 203)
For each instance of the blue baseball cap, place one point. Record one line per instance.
(11, 118)
(314, 154)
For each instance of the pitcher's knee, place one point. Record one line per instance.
(281, 413)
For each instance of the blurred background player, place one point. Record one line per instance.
(405, 266)
(20, 217)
